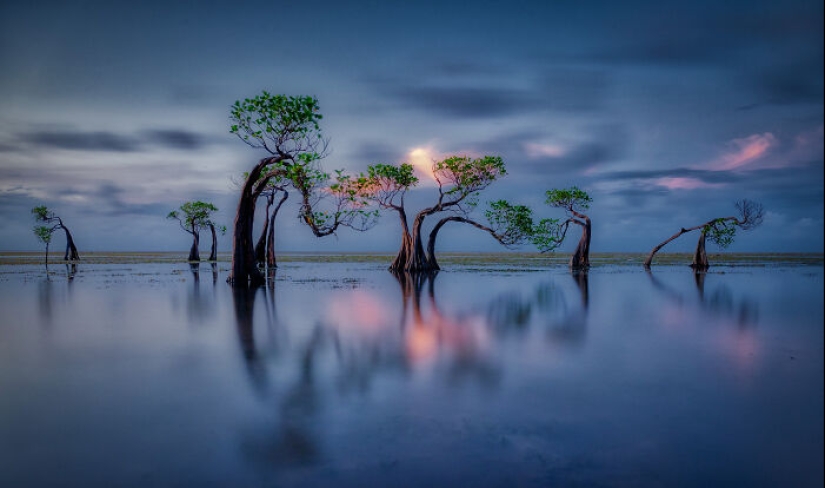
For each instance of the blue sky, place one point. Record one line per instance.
(115, 113)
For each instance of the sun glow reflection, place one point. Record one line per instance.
(422, 159)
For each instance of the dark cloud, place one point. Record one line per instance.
(176, 139)
(82, 141)
(74, 140)
(463, 102)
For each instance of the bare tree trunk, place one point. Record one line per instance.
(244, 267)
(260, 247)
(46, 261)
(581, 256)
(213, 256)
(700, 257)
(271, 262)
(417, 260)
(400, 262)
(71, 251)
(194, 252)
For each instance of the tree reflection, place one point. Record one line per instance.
(511, 314)
(720, 303)
(290, 440)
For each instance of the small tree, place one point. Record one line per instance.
(43, 214)
(573, 200)
(44, 235)
(287, 128)
(721, 231)
(193, 216)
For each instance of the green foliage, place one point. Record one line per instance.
(721, 232)
(42, 214)
(513, 224)
(468, 175)
(547, 235)
(43, 233)
(401, 175)
(277, 123)
(194, 214)
(571, 199)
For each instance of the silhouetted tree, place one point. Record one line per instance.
(43, 214)
(721, 231)
(574, 200)
(193, 216)
(287, 128)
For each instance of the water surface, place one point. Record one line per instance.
(342, 374)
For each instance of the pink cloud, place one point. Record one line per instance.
(745, 151)
(680, 183)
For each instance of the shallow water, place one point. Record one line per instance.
(340, 374)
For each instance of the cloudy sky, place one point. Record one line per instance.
(115, 113)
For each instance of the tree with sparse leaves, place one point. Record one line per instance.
(721, 231)
(194, 216)
(43, 214)
(574, 201)
(287, 127)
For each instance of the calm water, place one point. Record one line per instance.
(342, 375)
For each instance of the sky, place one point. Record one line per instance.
(665, 112)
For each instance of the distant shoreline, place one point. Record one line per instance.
(461, 258)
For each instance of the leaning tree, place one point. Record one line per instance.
(43, 214)
(459, 180)
(287, 127)
(193, 216)
(721, 231)
(573, 200)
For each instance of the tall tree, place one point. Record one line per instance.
(287, 127)
(574, 201)
(459, 179)
(721, 231)
(43, 214)
(193, 216)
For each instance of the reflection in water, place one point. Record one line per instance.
(720, 304)
(291, 440)
(511, 314)
(198, 306)
(736, 337)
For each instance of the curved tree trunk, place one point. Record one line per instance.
(244, 270)
(271, 262)
(399, 264)
(213, 256)
(432, 263)
(649, 259)
(194, 252)
(417, 260)
(260, 247)
(700, 257)
(71, 251)
(581, 256)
